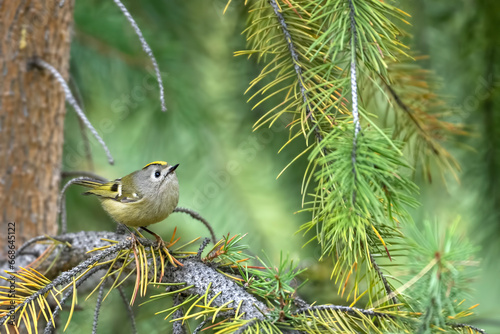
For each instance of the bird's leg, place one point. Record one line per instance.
(134, 237)
(159, 240)
(163, 245)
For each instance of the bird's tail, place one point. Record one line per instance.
(90, 183)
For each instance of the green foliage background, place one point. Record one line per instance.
(227, 172)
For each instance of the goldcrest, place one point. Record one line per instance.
(141, 198)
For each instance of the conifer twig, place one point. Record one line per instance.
(82, 173)
(34, 240)
(354, 93)
(296, 66)
(97, 309)
(146, 48)
(197, 216)
(341, 308)
(71, 100)
(49, 328)
(200, 326)
(62, 202)
(476, 329)
(387, 287)
(68, 275)
(178, 327)
(130, 312)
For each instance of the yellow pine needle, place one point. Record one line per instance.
(220, 309)
(191, 307)
(73, 303)
(22, 314)
(186, 244)
(38, 276)
(358, 298)
(120, 271)
(175, 308)
(32, 309)
(109, 240)
(227, 5)
(123, 280)
(144, 270)
(206, 294)
(98, 249)
(155, 273)
(213, 298)
(27, 322)
(50, 313)
(41, 305)
(238, 310)
(162, 263)
(137, 276)
(232, 277)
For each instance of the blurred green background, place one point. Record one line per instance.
(228, 172)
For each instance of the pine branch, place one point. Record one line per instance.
(296, 64)
(346, 309)
(354, 93)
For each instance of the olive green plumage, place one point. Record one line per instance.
(141, 198)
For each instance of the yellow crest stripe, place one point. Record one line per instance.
(163, 163)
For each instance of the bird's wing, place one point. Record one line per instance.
(112, 190)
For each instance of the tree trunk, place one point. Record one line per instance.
(32, 110)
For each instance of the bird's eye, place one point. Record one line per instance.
(157, 174)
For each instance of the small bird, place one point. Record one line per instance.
(141, 198)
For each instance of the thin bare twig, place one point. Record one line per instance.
(146, 48)
(129, 309)
(97, 308)
(62, 202)
(71, 100)
(197, 216)
(82, 173)
(178, 327)
(387, 287)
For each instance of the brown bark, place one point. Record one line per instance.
(32, 110)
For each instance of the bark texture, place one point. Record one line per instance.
(32, 110)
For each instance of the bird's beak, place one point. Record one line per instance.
(172, 169)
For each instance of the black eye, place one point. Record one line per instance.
(157, 174)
